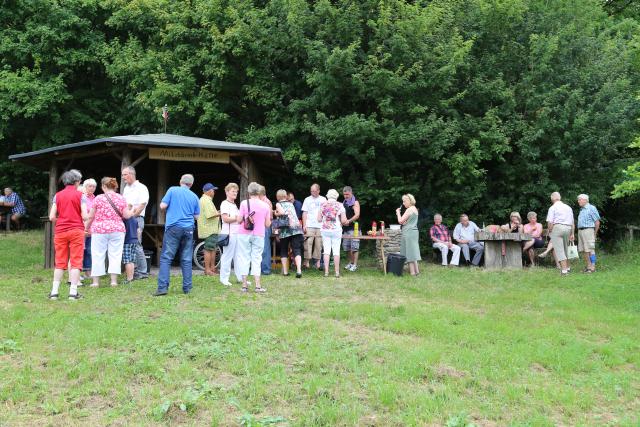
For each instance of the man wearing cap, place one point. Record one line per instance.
(209, 227)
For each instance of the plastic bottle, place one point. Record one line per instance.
(374, 227)
(382, 228)
(356, 229)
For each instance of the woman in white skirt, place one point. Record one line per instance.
(106, 223)
(229, 214)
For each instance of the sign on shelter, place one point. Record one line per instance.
(188, 155)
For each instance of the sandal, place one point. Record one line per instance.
(337, 276)
(326, 274)
(260, 290)
(245, 289)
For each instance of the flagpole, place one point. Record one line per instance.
(165, 116)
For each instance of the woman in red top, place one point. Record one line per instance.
(106, 223)
(67, 213)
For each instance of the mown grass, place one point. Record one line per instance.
(452, 347)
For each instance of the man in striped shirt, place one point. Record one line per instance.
(442, 241)
(588, 227)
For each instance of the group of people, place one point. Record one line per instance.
(90, 229)
(313, 229)
(560, 232)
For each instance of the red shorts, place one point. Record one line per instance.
(69, 246)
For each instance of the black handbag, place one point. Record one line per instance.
(223, 240)
(248, 225)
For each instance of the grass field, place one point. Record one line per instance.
(452, 347)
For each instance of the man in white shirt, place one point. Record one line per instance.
(561, 228)
(311, 226)
(464, 234)
(137, 196)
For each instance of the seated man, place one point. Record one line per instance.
(14, 201)
(442, 241)
(464, 234)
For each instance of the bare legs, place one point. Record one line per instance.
(528, 249)
(210, 263)
(285, 265)
(413, 268)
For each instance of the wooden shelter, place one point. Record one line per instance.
(160, 160)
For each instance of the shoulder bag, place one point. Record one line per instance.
(114, 207)
(248, 225)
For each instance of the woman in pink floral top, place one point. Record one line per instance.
(332, 216)
(107, 231)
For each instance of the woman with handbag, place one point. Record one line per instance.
(290, 233)
(255, 217)
(228, 237)
(106, 222)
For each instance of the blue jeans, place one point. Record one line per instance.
(176, 238)
(86, 258)
(265, 266)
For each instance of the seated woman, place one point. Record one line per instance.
(514, 225)
(534, 228)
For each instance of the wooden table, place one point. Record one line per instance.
(502, 250)
(5, 211)
(367, 237)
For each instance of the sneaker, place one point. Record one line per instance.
(126, 282)
(94, 285)
(227, 283)
(298, 275)
(75, 297)
(348, 267)
(353, 267)
(53, 297)
(159, 294)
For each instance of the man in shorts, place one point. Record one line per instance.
(209, 228)
(130, 248)
(588, 227)
(352, 210)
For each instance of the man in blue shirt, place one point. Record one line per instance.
(588, 227)
(183, 207)
(12, 200)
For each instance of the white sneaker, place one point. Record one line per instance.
(353, 267)
(227, 283)
(348, 267)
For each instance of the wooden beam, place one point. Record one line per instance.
(163, 172)
(238, 168)
(139, 159)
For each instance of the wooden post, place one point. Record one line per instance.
(49, 253)
(162, 187)
(125, 161)
(245, 164)
(53, 182)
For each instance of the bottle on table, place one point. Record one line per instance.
(356, 229)
(382, 228)
(374, 227)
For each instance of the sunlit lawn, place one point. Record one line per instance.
(451, 347)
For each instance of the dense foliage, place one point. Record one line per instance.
(472, 105)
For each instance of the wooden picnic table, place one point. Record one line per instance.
(5, 211)
(367, 237)
(502, 250)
